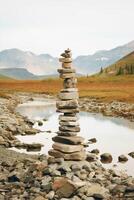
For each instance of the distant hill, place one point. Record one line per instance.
(2, 77)
(92, 63)
(42, 64)
(45, 64)
(19, 73)
(122, 67)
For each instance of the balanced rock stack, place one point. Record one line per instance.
(67, 144)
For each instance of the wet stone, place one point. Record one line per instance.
(69, 128)
(65, 148)
(62, 123)
(75, 156)
(69, 140)
(68, 118)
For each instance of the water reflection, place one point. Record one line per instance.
(113, 136)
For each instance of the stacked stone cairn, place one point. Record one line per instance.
(67, 144)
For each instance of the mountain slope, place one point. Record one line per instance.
(92, 63)
(18, 73)
(45, 64)
(2, 77)
(36, 64)
(122, 67)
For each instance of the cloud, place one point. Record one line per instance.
(52, 25)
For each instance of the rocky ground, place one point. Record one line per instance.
(114, 109)
(26, 177)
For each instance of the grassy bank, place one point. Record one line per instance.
(119, 88)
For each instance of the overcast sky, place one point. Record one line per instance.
(50, 26)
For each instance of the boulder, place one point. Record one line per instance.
(40, 123)
(95, 151)
(122, 158)
(91, 157)
(63, 188)
(93, 140)
(69, 140)
(65, 148)
(75, 156)
(106, 158)
(33, 147)
(131, 154)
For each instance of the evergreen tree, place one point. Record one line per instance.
(101, 70)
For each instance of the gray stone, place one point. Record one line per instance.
(70, 82)
(50, 195)
(131, 154)
(65, 60)
(67, 104)
(66, 65)
(70, 128)
(95, 151)
(122, 158)
(65, 148)
(66, 133)
(68, 123)
(68, 118)
(93, 140)
(33, 147)
(67, 75)
(62, 71)
(91, 157)
(106, 158)
(68, 95)
(63, 188)
(68, 156)
(67, 110)
(75, 167)
(69, 140)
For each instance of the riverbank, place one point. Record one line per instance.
(24, 176)
(112, 109)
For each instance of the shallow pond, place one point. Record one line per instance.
(114, 135)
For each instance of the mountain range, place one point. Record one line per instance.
(122, 67)
(30, 66)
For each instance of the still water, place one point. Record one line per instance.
(114, 135)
